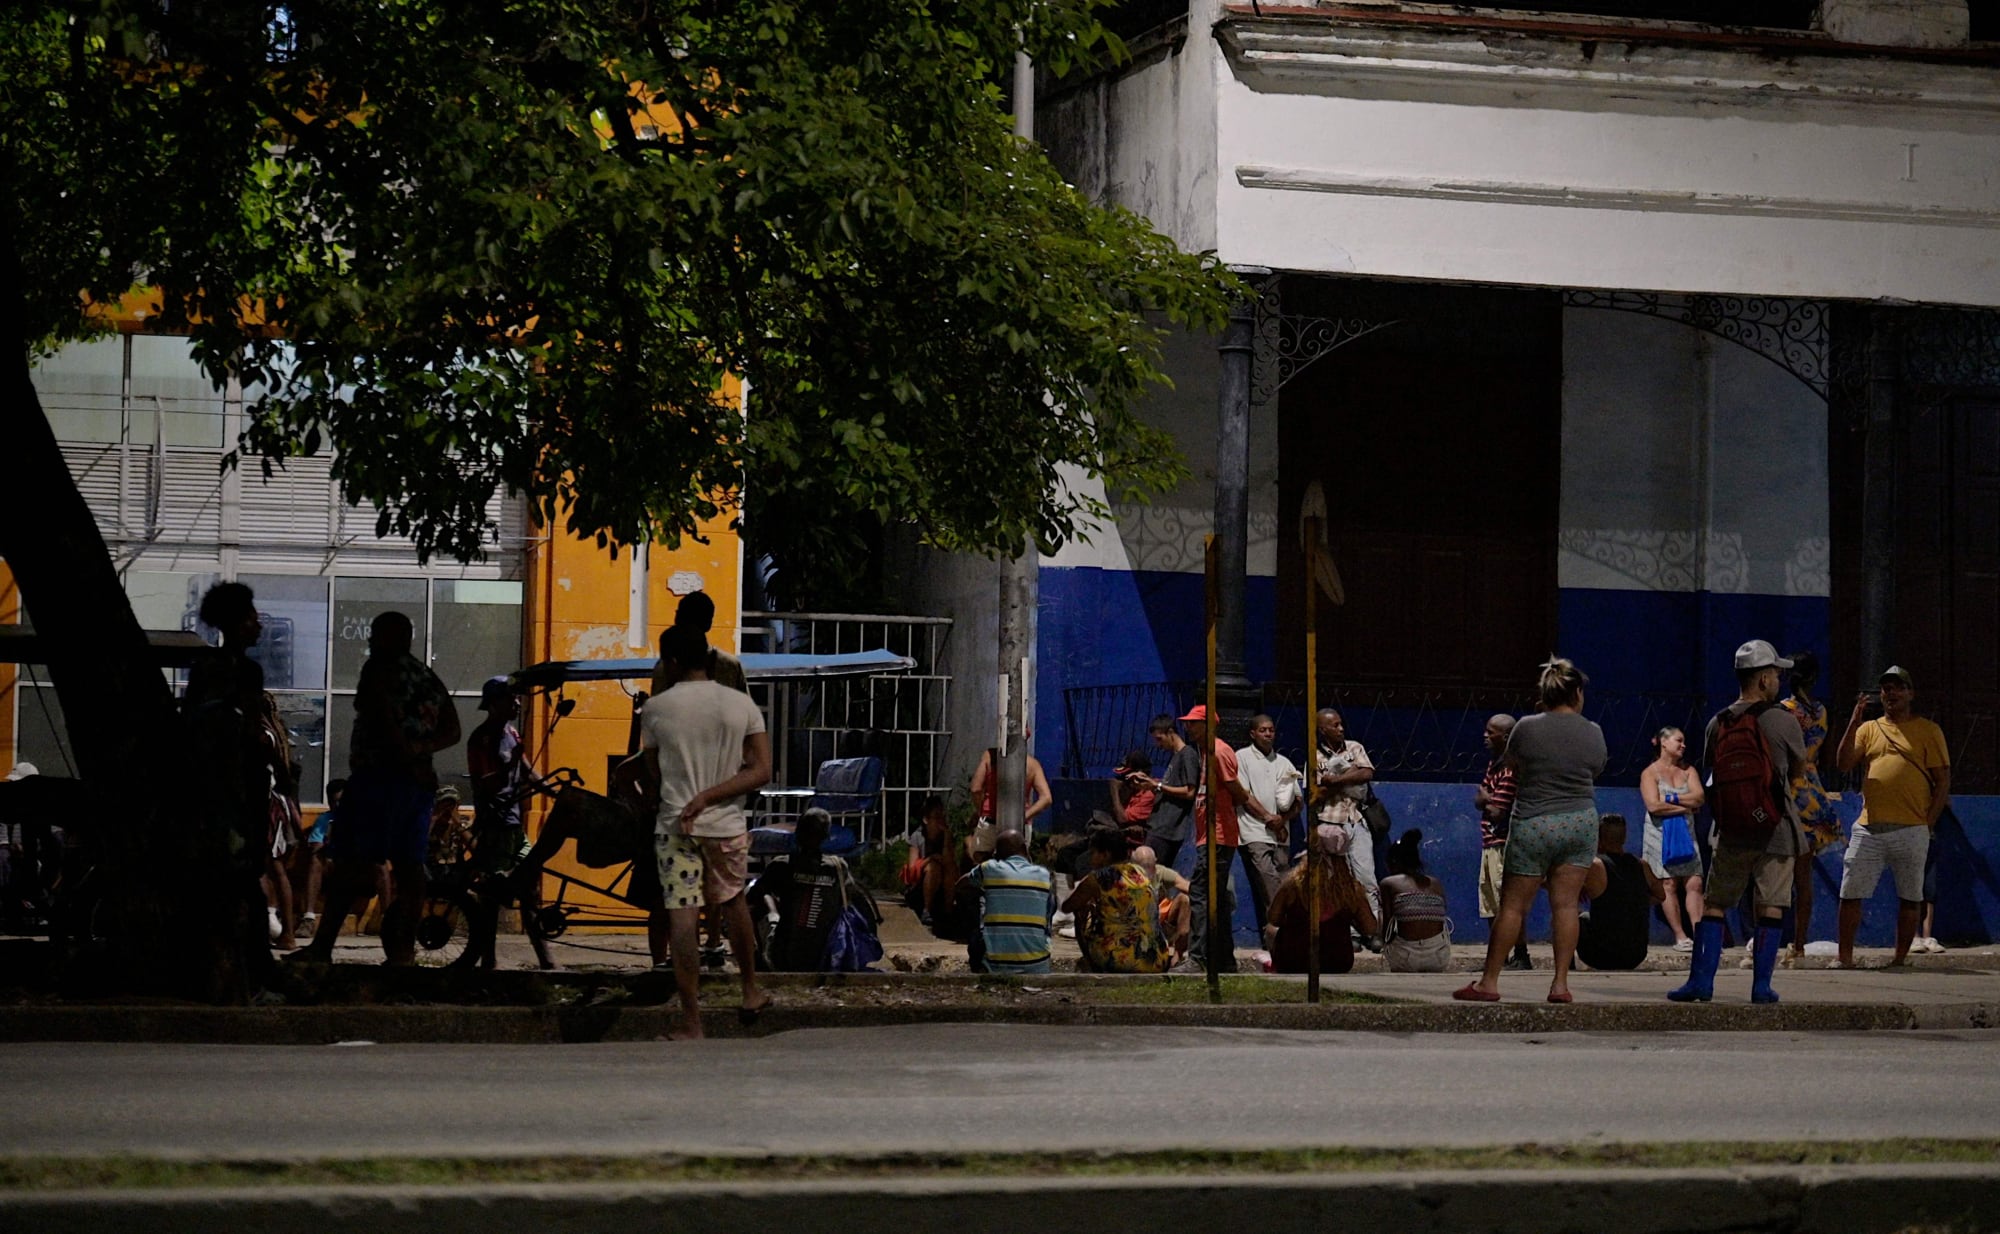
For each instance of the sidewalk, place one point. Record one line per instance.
(606, 990)
(910, 947)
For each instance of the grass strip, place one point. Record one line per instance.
(124, 1172)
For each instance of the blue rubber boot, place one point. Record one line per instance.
(1764, 958)
(1700, 987)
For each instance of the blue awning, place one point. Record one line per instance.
(757, 666)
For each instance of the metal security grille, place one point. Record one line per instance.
(901, 718)
(1412, 733)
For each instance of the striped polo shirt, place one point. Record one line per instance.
(1015, 923)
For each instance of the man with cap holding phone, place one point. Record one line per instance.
(1763, 743)
(1904, 788)
(1231, 797)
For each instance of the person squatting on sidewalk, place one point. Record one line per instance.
(1904, 789)
(1751, 749)
(1553, 834)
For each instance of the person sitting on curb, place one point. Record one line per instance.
(1416, 933)
(1170, 889)
(1117, 918)
(1344, 910)
(1016, 906)
(810, 891)
(1622, 891)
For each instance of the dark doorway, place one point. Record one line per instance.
(1438, 441)
(1945, 626)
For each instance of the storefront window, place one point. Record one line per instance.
(304, 716)
(293, 648)
(356, 603)
(475, 632)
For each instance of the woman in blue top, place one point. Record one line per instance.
(1553, 836)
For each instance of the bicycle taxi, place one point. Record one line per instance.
(608, 833)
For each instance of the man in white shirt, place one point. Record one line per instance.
(1265, 826)
(710, 749)
(1344, 773)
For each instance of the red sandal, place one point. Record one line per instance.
(1564, 997)
(1473, 994)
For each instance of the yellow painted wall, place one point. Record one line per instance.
(578, 608)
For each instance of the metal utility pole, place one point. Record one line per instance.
(1019, 594)
(1232, 488)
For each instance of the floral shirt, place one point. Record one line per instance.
(1122, 934)
(1808, 793)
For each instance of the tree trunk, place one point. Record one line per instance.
(124, 729)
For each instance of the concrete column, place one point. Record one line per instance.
(1878, 501)
(1232, 493)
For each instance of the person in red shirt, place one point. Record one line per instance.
(1232, 797)
(1133, 796)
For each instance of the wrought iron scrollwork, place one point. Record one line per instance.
(1283, 346)
(1791, 334)
(1951, 346)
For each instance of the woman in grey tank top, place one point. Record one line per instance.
(1553, 836)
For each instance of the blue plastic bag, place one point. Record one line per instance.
(1676, 841)
(851, 946)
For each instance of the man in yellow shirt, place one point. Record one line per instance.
(1906, 786)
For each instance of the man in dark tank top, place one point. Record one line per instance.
(1622, 892)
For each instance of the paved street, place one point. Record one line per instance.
(958, 1087)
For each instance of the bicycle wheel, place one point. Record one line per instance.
(445, 931)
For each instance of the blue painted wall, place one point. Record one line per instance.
(1117, 627)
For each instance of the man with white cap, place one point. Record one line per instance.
(1750, 750)
(1904, 788)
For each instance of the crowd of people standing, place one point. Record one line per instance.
(1737, 825)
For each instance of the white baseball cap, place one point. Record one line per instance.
(1759, 654)
(23, 770)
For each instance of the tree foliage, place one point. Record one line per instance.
(474, 243)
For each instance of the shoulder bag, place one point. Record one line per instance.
(852, 944)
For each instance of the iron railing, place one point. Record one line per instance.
(1410, 732)
(901, 718)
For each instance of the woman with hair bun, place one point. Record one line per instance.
(1416, 933)
(1673, 795)
(1553, 836)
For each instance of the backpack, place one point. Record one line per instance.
(1743, 798)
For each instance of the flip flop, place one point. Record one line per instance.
(1564, 997)
(1471, 993)
(746, 1016)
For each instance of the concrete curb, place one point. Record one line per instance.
(1826, 1200)
(625, 1022)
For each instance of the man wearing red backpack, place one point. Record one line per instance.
(1750, 750)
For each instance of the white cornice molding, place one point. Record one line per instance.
(1675, 201)
(1352, 54)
